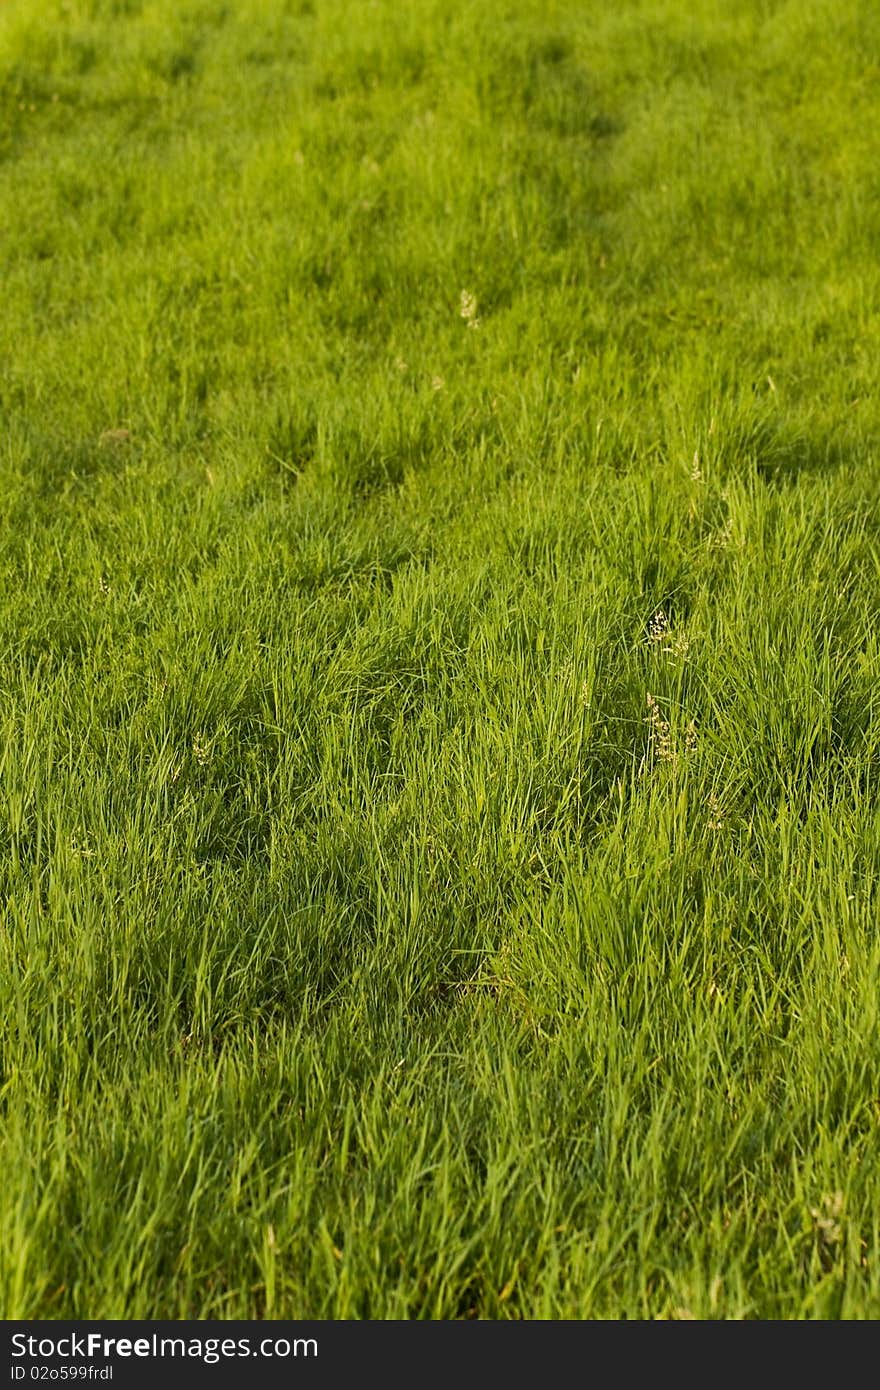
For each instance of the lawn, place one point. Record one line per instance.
(440, 659)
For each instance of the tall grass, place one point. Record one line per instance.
(440, 806)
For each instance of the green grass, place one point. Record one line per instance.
(371, 947)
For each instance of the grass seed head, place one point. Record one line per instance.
(468, 309)
(658, 626)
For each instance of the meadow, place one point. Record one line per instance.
(439, 659)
